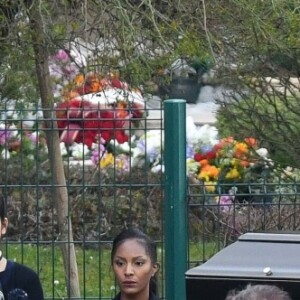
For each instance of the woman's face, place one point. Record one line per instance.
(3, 226)
(133, 269)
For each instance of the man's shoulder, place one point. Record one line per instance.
(22, 270)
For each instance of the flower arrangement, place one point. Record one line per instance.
(148, 149)
(15, 140)
(95, 106)
(232, 161)
(215, 161)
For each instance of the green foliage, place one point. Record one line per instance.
(274, 121)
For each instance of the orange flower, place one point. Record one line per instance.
(244, 163)
(69, 94)
(251, 142)
(203, 162)
(79, 80)
(114, 75)
(95, 86)
(122, 113)
(94, 82)
(227, 141)
(208, 172)
(241, 149)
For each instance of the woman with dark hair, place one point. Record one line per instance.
(16, 281)
(134, 262)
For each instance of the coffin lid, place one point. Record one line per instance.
(269, 256)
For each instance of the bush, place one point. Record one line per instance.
(272, 120)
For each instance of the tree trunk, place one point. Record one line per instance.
(60, 195)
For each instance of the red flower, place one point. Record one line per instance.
(121, 137)
(136, 110)
(210, 155)
(84, 122)
(198, 156)
(116, 83)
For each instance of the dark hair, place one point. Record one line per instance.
(3, 213)
(145, 241)
(259, 292)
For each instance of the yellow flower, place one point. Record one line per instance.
(79, 79)
(233, 174)
(241, 147)
(208, 172)
(107, 160)
(235, 162)
(210, 186)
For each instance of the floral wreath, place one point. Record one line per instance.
(95, 106)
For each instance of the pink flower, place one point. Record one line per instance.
(226, 202)
(62, 56)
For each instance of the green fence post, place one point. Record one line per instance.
(175, 206)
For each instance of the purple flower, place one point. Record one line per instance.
(226, 202)
(6, 134)
(55, 71)
(3, 137)
(206, 148)
(190, 152)
(97, 154)
(34, 137)
(62, 55)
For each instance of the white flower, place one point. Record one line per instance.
(79, 151)
(29, 120)
(151, 144)
(125, 147)
(63, 149)
(158, 169)
(192, 166)
(5, 154)
(13, 132)
(137, 159)
(56, 282)
(148, 147)
(262, 152)
(79, 55)
(111, 96)
(203, 135)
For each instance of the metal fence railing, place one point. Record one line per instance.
(111, 185)
(219, 218)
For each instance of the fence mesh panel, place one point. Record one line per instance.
(106, 191)
(110, 188)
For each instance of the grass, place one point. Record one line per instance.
(95, 274)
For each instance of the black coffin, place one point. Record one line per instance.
(257, 258)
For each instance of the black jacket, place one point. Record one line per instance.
(17, 276)
(152, 297)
